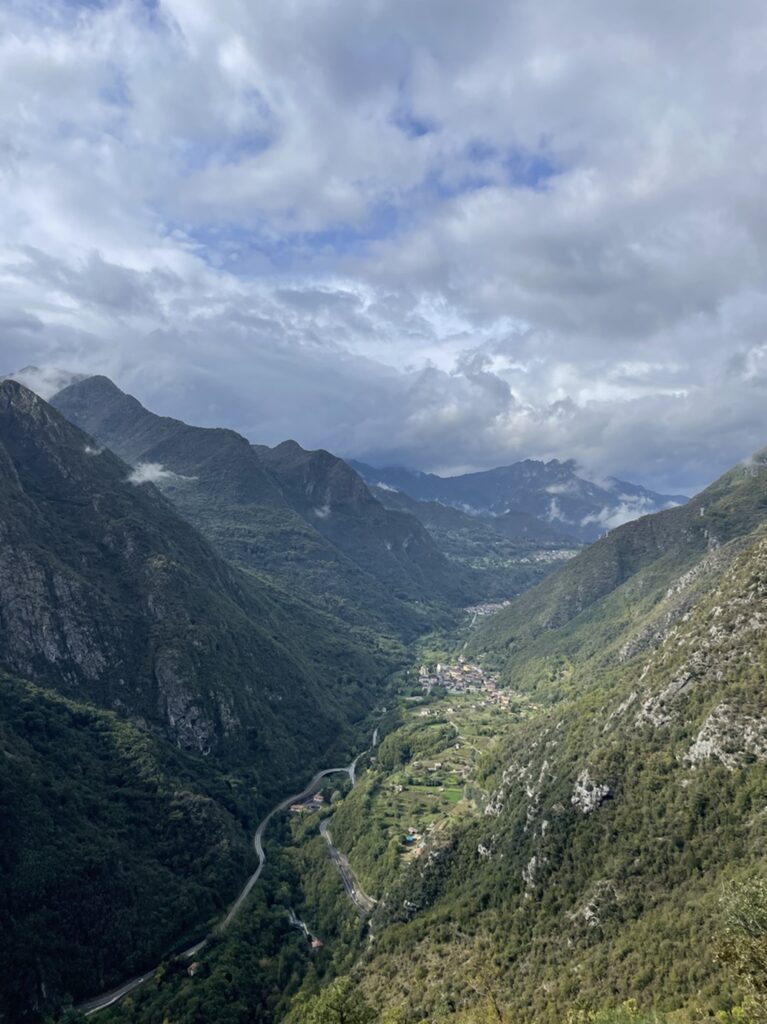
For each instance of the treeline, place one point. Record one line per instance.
(740, 944)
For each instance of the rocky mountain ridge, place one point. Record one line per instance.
(302, 519)
(109, 596)
(552, 492)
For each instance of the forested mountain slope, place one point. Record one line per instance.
(315, 531)
(155, 700)
(392, 544)
(612, 824)
(509, 552)
(612, 814)
(117, 848)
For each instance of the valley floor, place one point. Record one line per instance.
(403, 798)
(339, 913)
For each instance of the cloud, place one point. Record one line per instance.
(554, 512)
(45, 380)
(625, 511)
(149, 473)
(441, 234)
(568, 487)
(154, 473)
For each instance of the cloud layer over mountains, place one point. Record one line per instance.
(445, 234)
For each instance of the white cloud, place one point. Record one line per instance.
(446, 234)
(149, 473)
(568, 487)
(155, 473)
(616, 515)
(554, 513)
(45, 380)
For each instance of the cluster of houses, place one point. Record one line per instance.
(307, 806)
(486, 608)
(463, 677)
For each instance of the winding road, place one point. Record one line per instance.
(305, 793)
(354, 890)
(101, 1002)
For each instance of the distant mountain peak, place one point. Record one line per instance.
(552, 492)
(289, 445)
(45, 381)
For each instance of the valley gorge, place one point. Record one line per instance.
(383, 512)
(561, 792)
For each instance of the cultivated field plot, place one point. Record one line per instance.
(424, 779)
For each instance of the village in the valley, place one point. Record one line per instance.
(464, 677)
(480, 611)
(428, 791)
(423, 782)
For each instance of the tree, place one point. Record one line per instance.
(744, 943)
(339, 1003)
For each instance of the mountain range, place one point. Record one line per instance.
(550, 492)
(303, 519)
(616, 815)
(141, 675)
(373, 558)
(191, 625)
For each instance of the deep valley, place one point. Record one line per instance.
(558, 811)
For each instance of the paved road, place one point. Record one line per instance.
(108, 998)
(352, 886)
(308, 791)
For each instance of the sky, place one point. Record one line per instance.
(436, 233)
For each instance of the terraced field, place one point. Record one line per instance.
(426, 777)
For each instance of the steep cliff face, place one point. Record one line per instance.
(107, 594)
